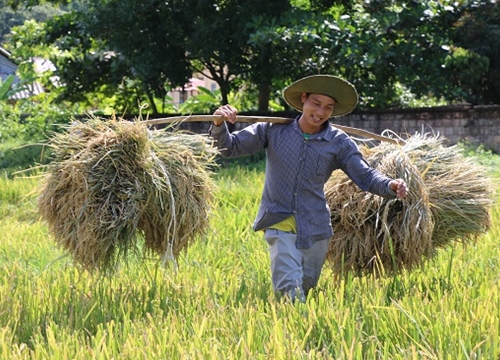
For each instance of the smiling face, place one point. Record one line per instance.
(316, 111)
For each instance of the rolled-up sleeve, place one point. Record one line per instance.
(247, 141)
(363, 175)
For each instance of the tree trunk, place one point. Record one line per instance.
(224, 92)
(151, 101)
(264, 94)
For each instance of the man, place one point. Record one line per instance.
(300, 157)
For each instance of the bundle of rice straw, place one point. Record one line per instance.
(449, 201)
(115, 182)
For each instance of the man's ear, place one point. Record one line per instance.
(303, 97)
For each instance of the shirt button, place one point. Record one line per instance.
(295, 194)
(295, 212)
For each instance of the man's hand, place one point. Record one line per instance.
(226, 111)
(399, 187)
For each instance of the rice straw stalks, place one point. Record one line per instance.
(460, 190)
(113, 182)
(449, 201)
(372, 234)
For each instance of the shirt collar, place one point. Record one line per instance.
(326, 134)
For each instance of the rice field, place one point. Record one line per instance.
(218, 302)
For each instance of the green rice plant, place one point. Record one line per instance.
(219, 304)
(16, 196)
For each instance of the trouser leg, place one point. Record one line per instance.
(286, 263)
(313, 261)
(294, 271)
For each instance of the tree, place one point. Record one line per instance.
(220, 42)
(147, 39)
(475, 59)
(381, 44)
(10, 18)
(160, 44)
(400, 42)
(279, 47)
(377, 45)
(143, 49)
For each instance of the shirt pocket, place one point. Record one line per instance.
(323, 166)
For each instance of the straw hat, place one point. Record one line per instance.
(342, 91)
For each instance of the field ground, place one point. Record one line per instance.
(219, 303)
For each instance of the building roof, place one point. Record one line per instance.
(4, 52)
(7, 66)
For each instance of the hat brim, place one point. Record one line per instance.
(342, 91)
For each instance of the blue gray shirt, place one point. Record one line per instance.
(297, 170)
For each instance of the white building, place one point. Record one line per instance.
(180, 95)
(8, 67)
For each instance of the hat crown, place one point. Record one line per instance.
(342, 91)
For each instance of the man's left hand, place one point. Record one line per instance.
(399, 187)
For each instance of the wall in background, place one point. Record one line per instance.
(475, 124)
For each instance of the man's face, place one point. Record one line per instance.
(317, 108)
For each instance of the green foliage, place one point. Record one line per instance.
(230, 55)
(28, 4)
(404, 98)
(5, 91)
(16, 155)
(478, 32)
(116, 45)
(10, 18)
(482, 155)
(22, 136)
(10, 126)
(121, 54)
(283, 47)
(89, 74)
(30, 121)
(391, 44)
(207, 101)
(204, 102)
(469, 71)
(375, 45)
(42, 120)
(26, 44)
(166, 105)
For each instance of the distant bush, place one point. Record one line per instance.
(10, 125)
(24, 128)
(30, 121)
(483, 156)
(16, 155)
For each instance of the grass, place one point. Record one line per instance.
(219, 303)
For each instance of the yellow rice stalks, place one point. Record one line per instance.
(115, 182)
(449, 200)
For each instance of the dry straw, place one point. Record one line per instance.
(113, 183)
(449, 201)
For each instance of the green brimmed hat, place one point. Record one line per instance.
(343, 92)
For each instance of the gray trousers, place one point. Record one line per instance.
(294, 271)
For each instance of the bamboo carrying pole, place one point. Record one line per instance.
(278, 120)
